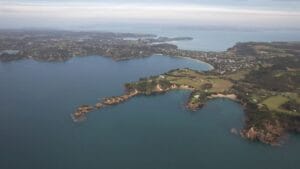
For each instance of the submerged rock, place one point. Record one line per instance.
(234, 131)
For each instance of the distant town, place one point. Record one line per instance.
(263, 76)
(64, 45)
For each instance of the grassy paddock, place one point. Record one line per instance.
(274, 102)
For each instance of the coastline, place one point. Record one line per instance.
(262, 75)
(205, 86)
(211, 67)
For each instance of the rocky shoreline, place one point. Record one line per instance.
(270, 136)
(83, 110)
(262, 124)
(262, 75)
(80, 113)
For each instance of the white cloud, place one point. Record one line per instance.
(54, 13)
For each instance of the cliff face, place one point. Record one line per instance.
(271, 133)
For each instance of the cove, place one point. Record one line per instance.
(36, 130)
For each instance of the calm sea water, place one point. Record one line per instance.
(156, 132)
(205, 39)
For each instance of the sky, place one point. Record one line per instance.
(269, 14)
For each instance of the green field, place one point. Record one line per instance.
(274, 102)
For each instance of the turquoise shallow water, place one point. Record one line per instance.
(156, 132)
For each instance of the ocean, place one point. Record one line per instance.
(154, 132)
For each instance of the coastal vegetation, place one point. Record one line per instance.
(203, 86)
(264, 77)
(269, 90)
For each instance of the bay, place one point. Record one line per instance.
(205, 38)
(36, 130)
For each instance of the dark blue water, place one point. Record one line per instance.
(156, 132)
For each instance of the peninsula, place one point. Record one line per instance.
(268, 90)
(263, 76)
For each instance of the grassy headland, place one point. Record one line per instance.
(264, 77)
(269, 89)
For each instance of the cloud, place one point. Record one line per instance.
(56, 13)
(287, 0)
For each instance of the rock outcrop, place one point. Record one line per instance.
(81, 111)
(270, 133)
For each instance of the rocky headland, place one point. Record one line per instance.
(263, 76)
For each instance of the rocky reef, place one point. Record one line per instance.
(80, 112)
